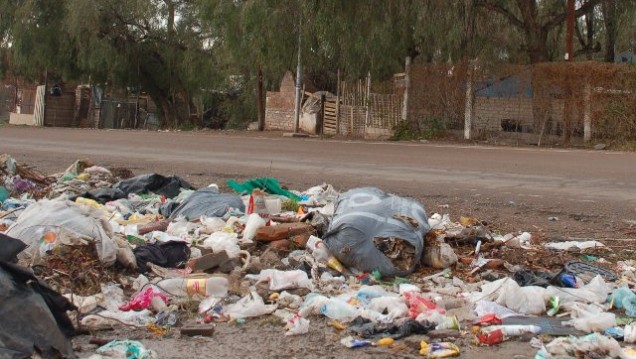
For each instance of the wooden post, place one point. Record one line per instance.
(407, 86)
(587, 115)
(351, 124)
(260, 106)
(338, 104)
(321, 126)
(468, 108)
(368, 102)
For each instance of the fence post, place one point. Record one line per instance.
(368, 103)
(587, 116)
(321, 126)
(407, 86)
(468, 109)
(338, 105)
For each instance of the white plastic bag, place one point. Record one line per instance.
(279, 280)
(525, 300)
(212, 224)
(288, 300)
(251, 305)
(589, 317)
(297, 325)
(394, 307)
(223, 241)
(254, 222)
(596, 291)
(77, 220)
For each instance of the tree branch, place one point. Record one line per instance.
(499, 8)
(559, 18)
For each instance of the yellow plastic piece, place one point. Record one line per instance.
(385, 342)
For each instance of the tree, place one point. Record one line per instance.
(535, 19)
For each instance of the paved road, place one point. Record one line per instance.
(582, 174)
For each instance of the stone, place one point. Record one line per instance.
(282, 231)
(192, 330)
(208, 262)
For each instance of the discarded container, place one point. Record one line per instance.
(491, 338)
(511, 330)
(320, 252)
(439, 350)
(182, 287)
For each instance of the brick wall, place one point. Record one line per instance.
(279, 106)
(489, 113)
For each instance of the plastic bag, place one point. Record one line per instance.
(339, 310)
(109, 318)
(589, 318)
(207, 202)
(254, 222)
(394, 307)
(372, 230)
(594, 292)
(251, 305)
(484, 307)
(288, 300)
(223, 241)
(625, 298)
(125, 349)
(279, 280)
(525, 300)
(418, 305)
(76, 220)
(142, 300)
(297, 325)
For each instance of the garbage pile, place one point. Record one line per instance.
(154, 253)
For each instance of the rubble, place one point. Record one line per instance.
(372, 264)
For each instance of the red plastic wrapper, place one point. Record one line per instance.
(142, 300)
(492, 338)
(488, 319)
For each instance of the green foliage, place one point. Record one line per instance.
(290, 205)
(404, 131)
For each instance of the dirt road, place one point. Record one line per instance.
(591, 193)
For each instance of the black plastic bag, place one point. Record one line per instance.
(206, 202)
(375, 230)
(168, 255)
(33, 316)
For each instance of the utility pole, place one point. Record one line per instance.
(298, 81)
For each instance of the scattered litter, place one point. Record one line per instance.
(371, 264)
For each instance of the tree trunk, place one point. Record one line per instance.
(609, 18)
(538, 46)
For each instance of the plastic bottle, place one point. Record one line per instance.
(321, 253)
(207, 287)
(339, 311)
(514, 330)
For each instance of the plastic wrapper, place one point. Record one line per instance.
(49, 221)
